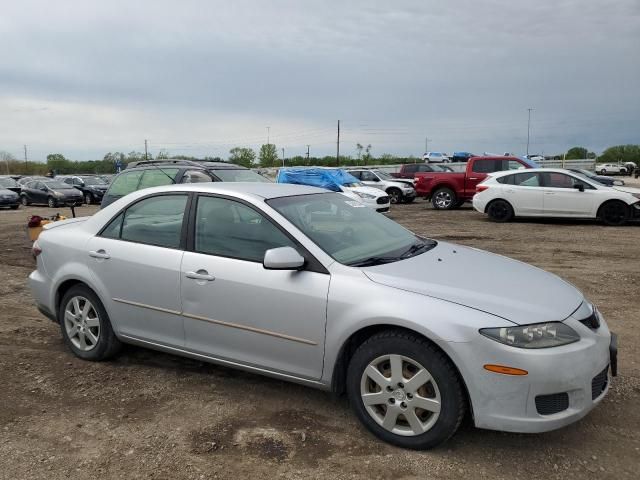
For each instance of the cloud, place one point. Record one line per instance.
(198, 76)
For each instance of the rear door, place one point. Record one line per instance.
(136, 261)
(525, 192)
(235, 309)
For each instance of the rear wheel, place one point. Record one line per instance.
(24, 200)
(500, 211)
(395, 195)
(85, 325)
(603, 172)
(444, 199)
(614, 213)
(88, 198)
(405, 390)
(52, 202)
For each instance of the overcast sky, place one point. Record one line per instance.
(83, 78)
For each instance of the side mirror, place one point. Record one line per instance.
(283, 258)
(374, 179)
(579, 186)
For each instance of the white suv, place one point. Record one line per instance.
(436, 157)
(398, 190)
(609, 168)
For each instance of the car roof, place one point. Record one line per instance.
(208, 165)
(240, 189)
(530, 170)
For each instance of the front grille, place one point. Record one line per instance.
(599, 383)
(382, 200)
(550, 404)
(592, 321)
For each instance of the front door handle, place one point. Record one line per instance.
(99, 254)
(200, 275)
(549, 193)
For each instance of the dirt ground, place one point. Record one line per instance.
(152, 415)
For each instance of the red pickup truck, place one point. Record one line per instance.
(448, 190)
(410, 170)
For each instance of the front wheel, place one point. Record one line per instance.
(85, 325)
(444, 199)
(405, 390)
(603, 172)
(395, 195)
(614, 213)
(88, 199)
(52, 202)
(24, 200)
(500, 211)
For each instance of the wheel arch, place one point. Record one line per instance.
(357, 338)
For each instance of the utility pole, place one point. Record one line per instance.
(426, 144)
(25, 160)
(268, 132)
(283, 157)
(145, 149)
(308, 146)
(528, 129)
(338, 147)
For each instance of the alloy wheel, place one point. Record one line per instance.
(87, 199)
(24, 201)
(400, 395)
(82, 323)
(443, 199)
(395, 196)
(51, 202)
(614, 213)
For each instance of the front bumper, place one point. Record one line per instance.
(9, 202)
(578, 373)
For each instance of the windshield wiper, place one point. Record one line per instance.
(418, 248)
(371, 261)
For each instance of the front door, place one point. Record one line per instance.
(135, 262)
(562, 197)
(236, 310)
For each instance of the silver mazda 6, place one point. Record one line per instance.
(311, 286)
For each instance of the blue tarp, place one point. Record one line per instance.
(331, 179)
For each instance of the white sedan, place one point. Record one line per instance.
(553, 192)
(610, 168)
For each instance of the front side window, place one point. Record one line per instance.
(561, 180)
(513, 165)
(125, 183)
(157, 177)
(227, 228)
(154, 221)
(348, 231)
(196, 176)
(368, 177)
(356, 173)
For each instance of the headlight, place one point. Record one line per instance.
(365, 195)
(58, 194)
(539, 335)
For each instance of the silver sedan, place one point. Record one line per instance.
(309, 286)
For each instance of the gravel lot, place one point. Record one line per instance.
(151, 415)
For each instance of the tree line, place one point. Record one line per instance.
(267, 156)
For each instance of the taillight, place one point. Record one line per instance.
(35, 249)
(481, 188)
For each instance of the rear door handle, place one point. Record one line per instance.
(473, 178)
(99, 254)
(200, 275)
(549, 193)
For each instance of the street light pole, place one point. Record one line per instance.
(528, 129)
(283, 157)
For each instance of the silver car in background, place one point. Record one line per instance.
(309, 286)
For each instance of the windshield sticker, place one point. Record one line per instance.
(355, 204)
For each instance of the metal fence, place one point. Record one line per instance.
(586, 164)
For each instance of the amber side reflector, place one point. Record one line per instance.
(505, 370)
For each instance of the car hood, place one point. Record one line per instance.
(401, 183)
(370, 190)
(621, 188)
(498, 285)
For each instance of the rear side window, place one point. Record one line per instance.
(156, 177)
(154, 221)
(530, 179)
(487, 165)
(410, 168)
(125, 183)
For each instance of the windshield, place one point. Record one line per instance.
(588, 175)
(8, 182)
(348, 231)
(57, 185)
(239, 176)
(353, 184)
(384, 175)
(93, 181)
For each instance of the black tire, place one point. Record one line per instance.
(52, 202)
(24, 200)
(444, 199)
(395, 195)
(88, 198)
(500, 211)
(452, 399)
(108, 344)
(603, 172)
(614, 213)
(14, 207)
